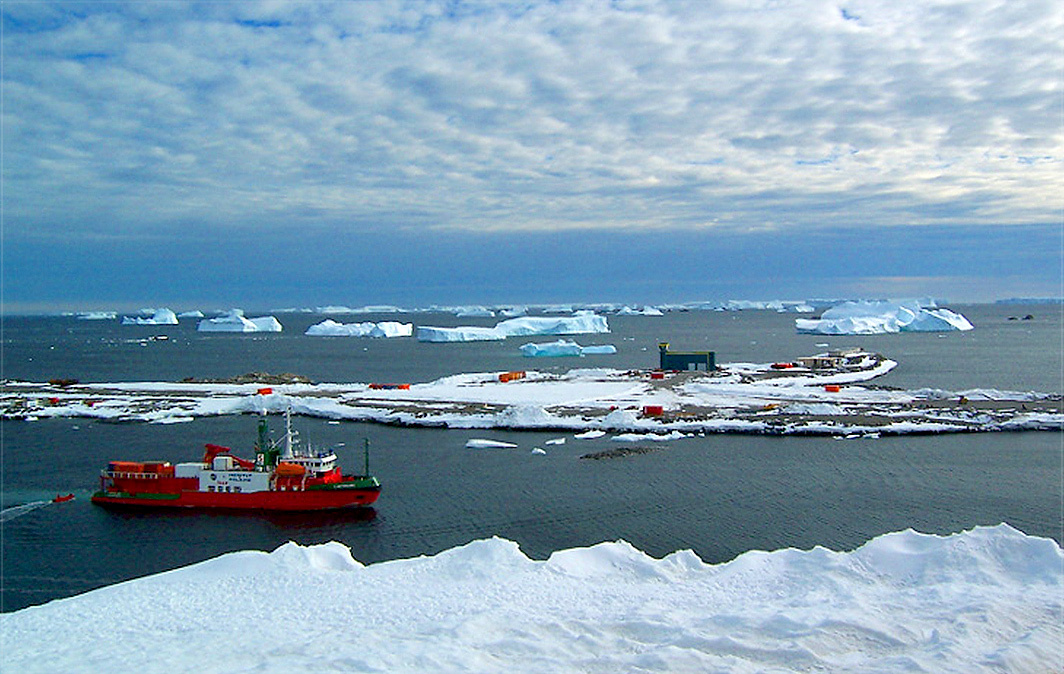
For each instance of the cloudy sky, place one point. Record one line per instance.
(273, 154)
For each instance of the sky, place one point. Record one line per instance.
(275, 154)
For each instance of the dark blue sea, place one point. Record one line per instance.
(719, 495)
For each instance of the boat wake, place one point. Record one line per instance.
(11, 513)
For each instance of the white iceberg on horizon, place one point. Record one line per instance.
(235, 321)
(877, 317)
(97, 316)
(159, 317)
(331, 328)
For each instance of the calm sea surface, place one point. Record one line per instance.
(718, 495)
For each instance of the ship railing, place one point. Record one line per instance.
(122, 475)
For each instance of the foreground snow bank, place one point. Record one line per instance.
(880, 317)
(234, 321)
(987, 600)
(583, 322)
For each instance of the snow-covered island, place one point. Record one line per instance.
(985, 600)
(825, 394)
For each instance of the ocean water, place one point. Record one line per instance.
(719, 495)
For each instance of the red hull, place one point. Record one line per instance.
(324, 499)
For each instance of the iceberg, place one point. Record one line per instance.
(331, 328)
(461, 334)
(983, 600)
(582, 322)
(234, 321)
(97, 316)
(158, 317)
(565, 347)
(645, 311)
(882, 316)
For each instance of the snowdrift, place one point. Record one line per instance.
(881, 317)
(986, 600)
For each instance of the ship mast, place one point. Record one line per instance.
(289, 435)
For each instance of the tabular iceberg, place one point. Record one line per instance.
(584, 322)
(881, 317)
(331, 328)
(234, 321)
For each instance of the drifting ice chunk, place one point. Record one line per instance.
(235, 321)
(880, 317)
(330, 328)
(160, 317)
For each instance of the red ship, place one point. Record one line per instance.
(281, 477)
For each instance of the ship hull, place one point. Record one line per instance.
(291, 501)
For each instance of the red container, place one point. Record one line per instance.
(653, 410)
(657, 375)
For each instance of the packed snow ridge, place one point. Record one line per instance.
(984, 600)
(881, 317)
(584, 322)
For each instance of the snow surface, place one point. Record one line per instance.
(565, 347)
(882, 316)
(157, 317)
(985, 600)
(331, 328)
(235, 321)
(583, 322)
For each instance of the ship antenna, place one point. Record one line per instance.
(365, 454)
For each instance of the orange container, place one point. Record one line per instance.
(265, 391)
(832, 388)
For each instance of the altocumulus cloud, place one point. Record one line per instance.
(124, 120)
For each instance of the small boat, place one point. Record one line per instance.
(282, 476)
(63, 499)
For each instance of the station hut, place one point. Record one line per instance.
(686, 360)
